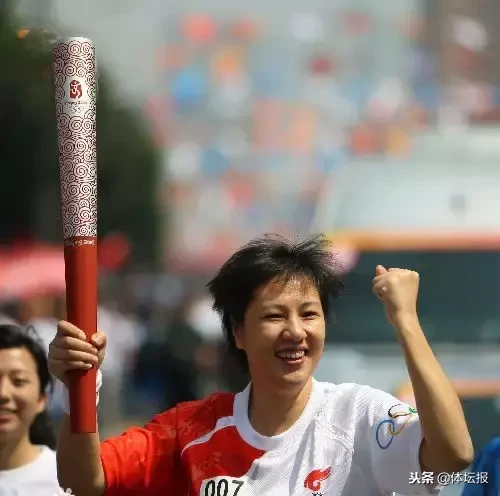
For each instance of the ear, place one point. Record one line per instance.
(42, 403)
(238, 334)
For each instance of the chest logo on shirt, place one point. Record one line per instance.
(315, 478)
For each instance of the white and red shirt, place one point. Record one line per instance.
(350, 440)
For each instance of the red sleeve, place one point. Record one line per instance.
(145, 460)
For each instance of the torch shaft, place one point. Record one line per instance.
(75, 88)
(81, 305)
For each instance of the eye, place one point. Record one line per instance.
(273, 316)
(310, 314)
(20, 382)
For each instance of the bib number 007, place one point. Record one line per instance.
(223, 486)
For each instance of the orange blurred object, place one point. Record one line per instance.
(172, 57)
(417, 117)
(364, 140)
(465, 388)
(398, 141)
(228, 63)
(427, 240)
(303, 129)
(240, 189)
(200, 28)
(22, 33)
(268, 132)
(246, 30)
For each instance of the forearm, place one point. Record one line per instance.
(447, 446)
(79, 466)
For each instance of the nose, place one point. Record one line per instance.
(295, 329)
(5, 390)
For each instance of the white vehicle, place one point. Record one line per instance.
(442, 220)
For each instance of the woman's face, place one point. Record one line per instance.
(283, 333)
(20, 398)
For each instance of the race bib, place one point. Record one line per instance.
(225, 486)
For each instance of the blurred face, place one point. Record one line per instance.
(20, 399)
(283, 333)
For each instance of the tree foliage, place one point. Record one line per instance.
(29, 188)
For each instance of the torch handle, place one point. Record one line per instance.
(81, 306)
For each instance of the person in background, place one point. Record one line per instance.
(181, 373)
(125, 338)
(205, 321)
(180, 365)
(5, 319)
(9, 312)
(40, 312)
(487, 462)
(27, 439)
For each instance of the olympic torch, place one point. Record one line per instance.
(75, 91)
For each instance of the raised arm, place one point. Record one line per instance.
(446, 444)
(142, 461)
(79, 466)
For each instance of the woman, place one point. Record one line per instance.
(285, 433)
(27, 441)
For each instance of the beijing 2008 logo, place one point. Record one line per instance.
(75, 90)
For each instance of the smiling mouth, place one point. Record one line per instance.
(4, 412)
(291, 355)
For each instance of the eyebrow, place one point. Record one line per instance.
(17, 371)
(270, 306)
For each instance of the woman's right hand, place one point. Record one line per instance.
(69, 350)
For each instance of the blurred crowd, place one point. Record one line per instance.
(254, 115)
(159, 353)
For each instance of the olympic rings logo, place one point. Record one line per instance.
(390, 426)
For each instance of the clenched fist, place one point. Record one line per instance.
(398, 289)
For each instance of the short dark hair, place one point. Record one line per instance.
(14, 336)
(262, 260)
